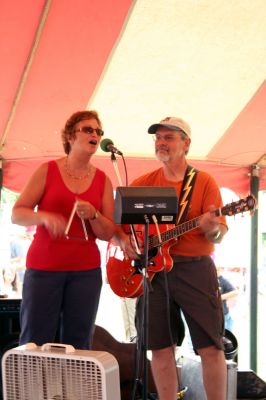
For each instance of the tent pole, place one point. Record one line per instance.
(254, 188)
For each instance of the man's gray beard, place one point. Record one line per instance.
(162, 156)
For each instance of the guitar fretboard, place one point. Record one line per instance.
(154, 241)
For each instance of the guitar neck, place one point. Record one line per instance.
(179, 230)
(247, 204)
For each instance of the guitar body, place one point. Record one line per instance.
(126, 276)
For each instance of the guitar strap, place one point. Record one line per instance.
(186, 193)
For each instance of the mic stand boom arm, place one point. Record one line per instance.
(113, 159)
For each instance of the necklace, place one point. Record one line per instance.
(73, 176)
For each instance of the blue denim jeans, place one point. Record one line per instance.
(59, 305)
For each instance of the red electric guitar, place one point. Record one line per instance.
(126, 277)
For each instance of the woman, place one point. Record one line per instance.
(10, 282)
(71, 203)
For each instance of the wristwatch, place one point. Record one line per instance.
(217, 235)
(96, 215)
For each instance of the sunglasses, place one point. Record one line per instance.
(89, 129)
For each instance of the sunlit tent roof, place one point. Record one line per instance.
(136, 62)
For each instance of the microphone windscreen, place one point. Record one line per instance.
(105, 143)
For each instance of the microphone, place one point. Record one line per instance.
(108, 145)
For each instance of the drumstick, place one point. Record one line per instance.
(84, 228)
(71, 218)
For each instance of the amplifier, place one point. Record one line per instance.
(9, 322)
(9, 306)
(133, 205)
(250, 385)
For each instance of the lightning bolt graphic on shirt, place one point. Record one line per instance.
(186, 191)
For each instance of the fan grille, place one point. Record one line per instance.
(47, 377)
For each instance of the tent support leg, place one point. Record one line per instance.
(254, 188)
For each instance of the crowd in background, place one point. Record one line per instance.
(12, 265)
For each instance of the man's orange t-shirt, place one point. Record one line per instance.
(205, 193)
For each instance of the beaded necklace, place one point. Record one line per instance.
(69, 173)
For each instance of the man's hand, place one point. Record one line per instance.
(210, 226)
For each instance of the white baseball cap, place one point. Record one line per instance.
(174, 123)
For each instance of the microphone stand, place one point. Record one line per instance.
(145, 286)
(145, 308)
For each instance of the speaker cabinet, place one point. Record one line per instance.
(9, 322)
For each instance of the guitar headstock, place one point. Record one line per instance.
(249, 203)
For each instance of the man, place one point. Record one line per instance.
(192, 284)
(228, 293)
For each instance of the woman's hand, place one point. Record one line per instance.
(85, 209)
(54, 223)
